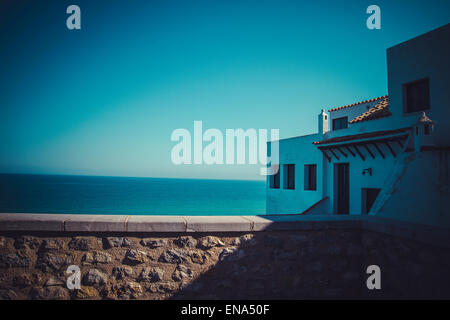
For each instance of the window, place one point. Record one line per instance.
(275, 180)
(310, 177)
(289, 176)
(416, 96)
(426, 129)
(340, 123)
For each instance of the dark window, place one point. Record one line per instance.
(340, 123)
(275, 180)
(416, 96)
(289, 176)
(310, 176)
(426, 129)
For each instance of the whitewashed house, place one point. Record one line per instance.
(385, 156)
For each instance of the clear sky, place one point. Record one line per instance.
(105, 99)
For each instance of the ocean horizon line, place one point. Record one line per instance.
(133, 177)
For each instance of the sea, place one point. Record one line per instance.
(30, 193)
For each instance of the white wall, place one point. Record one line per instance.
(298, 151)
(387, 123)
(350, 112)
(419, 192)
(424, 56)
(380, 171)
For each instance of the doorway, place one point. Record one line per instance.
(368, 197)
(342, 188)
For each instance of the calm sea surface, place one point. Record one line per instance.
(120, 195)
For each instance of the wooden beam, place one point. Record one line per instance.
(379, 150)
(359, 153)
(334, 154)
(325, 155)
(400, 143)
(350, 150)
(369, 151)
(343, 153)
(390, 148)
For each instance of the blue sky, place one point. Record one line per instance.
(104, 100)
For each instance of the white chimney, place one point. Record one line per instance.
(323, 122)
(423, 132)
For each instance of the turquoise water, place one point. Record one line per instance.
(122, 195)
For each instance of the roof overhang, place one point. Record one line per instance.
(351, 145)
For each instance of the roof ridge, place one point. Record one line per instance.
(357, 103)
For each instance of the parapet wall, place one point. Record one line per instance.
(290, 257)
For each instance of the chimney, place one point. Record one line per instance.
(423, 132)
(323, 122)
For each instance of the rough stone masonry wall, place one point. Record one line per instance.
(259, 265)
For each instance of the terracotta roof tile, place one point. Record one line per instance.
(380, 110)
(362, 136)
(357, 103)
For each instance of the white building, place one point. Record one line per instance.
(382, 156)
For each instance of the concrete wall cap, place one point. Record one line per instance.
(41, 222)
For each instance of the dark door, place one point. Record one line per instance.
(343, 188)
(369, 195)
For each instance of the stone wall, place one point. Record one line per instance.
(291, 264)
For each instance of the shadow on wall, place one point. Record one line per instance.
(425, 178)
(322, 261)
(321, 264)
(281, 265)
